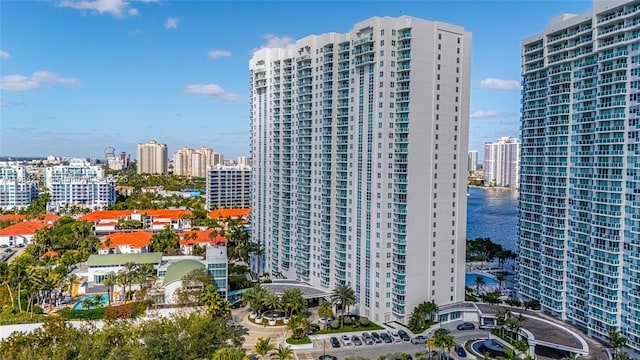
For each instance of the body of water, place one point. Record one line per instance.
(493, 214)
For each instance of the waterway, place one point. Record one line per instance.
(493, 214)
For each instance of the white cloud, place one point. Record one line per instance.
(117, 8)
(171, 23)
(4, 55)
(211, 90)
(273, 41)
(484, 114)
(35, 81)
(214, 54)
(500, 84)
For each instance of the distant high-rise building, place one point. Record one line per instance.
(244, 160)
(16, 190)
(124, 159)
(152, 158)
(228, 186)
(502, 162)
(79, 184)
(116, 162)
(472, 159)
(579, 217)
(190, 162)
(357, 138)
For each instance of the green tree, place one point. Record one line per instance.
(283, 353)
(299, 324)
(293, 302)
(344, 296)
(263, 347)
(228, 353)
(255, 298)
(501, 277)
(166, 241)
(480, 283)
(325, 310)
(110, 280)
(127, 277)
(616, 342)
(217, 307)
(193, 285)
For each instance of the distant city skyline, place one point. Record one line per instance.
(77, 77)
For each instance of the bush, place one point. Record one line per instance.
(347, 320)
(304, 340)
(364, 321)
(90, 314)
(335, 324)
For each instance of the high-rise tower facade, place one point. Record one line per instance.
(472, 164)
(152, 158)
(579, 221)
(501, 163)
(359, 145)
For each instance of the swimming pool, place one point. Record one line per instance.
(79, 304)
(470, 280)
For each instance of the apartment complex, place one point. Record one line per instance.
(472, 159)
(190, 162)
(228, 186)
(79, 184)
(579, 220)
(16, 190)
(502, 162)
(152, 158)
(343, 192)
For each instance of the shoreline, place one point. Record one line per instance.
(494, 188)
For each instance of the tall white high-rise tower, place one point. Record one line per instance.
(359, 153)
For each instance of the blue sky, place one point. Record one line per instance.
(78, 76)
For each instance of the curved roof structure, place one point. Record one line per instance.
(179, 269)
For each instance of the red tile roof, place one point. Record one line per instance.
(229, 213)
(136, 239)
(194, 237)
(12, 217)
(50, 253)
(118, 214)
(23, 228)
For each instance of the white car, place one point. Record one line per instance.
(345, 340)
(396, 336)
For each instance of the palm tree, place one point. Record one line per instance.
(5, 280)
(128, 275)
(110, 281)
(344, 296)
(293, 302)
(263, 347)
(616, 342)
(445, 341)
(325, 310)
(501, 277)
(298, 324)
(479, 283)
(283, 353)
(271, 301)
(216, 305)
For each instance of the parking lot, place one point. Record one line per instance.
(379, 349)
(9, 253)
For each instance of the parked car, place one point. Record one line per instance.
(335, 343)
(466, 326)
(327, 357)
(396, 336)
(420, 339)
(345, 340)
(461, 351)
(356, 340)
(237, 304)
(403, 335)
(4, 246)
(376, 337)
(386, 338)
(20, 245)
(446, 357)
(368, 339)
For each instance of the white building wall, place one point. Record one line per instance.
(79, 184)
(360, 171)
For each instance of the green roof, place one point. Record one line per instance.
(179, 269)
(121, 259)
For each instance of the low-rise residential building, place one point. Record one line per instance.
(79, 184)
(99, 266)
(126, 243)
(221, 214)
(108, 221)
(16, 190)
(202, 238)
(21, 233)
